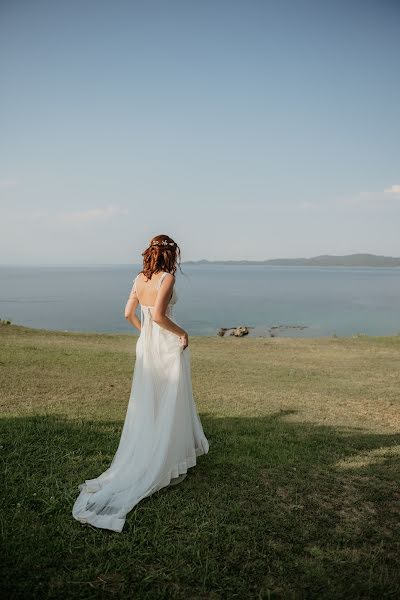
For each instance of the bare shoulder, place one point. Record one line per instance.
(169, 278)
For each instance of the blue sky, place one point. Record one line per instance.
(245, 130)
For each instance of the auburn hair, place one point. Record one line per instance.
(162, 254)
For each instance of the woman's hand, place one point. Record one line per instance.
(184, 340)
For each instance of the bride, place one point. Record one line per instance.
(162, 433)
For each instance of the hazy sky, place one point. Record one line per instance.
(243, 129)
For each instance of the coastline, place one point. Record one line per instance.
(24, 329)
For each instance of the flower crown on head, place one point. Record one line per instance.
(162, 243)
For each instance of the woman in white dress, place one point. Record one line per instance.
(162, 434)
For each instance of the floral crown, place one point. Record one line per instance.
(162, 243)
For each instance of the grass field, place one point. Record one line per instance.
(297, 498)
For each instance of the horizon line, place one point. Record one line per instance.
(241, 260)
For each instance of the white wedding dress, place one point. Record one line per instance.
(162, 434)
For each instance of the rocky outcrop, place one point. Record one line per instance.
(244, 330)
(240, 331)
(236, 331)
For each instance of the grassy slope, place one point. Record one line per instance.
(297, 498)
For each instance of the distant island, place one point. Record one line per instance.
(325, 260)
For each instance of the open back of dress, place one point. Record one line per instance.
(162, 434)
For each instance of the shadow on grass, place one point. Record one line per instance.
(276, 509)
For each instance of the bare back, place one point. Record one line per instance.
(147, 289)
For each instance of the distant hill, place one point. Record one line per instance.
(325, 260)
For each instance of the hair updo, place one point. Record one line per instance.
(162, 254)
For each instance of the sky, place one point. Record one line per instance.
(242, 129)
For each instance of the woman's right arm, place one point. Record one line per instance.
(160, 308)
(130, 308)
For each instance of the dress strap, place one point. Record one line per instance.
(161, 279)
(134, 282)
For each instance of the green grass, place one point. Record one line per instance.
(297, 498)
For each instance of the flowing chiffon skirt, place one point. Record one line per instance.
(161, 437)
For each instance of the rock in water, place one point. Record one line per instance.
(240, 331)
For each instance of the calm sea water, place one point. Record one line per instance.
(324, 300)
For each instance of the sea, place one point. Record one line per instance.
(271, 300)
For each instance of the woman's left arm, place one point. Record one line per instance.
(130, 309)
